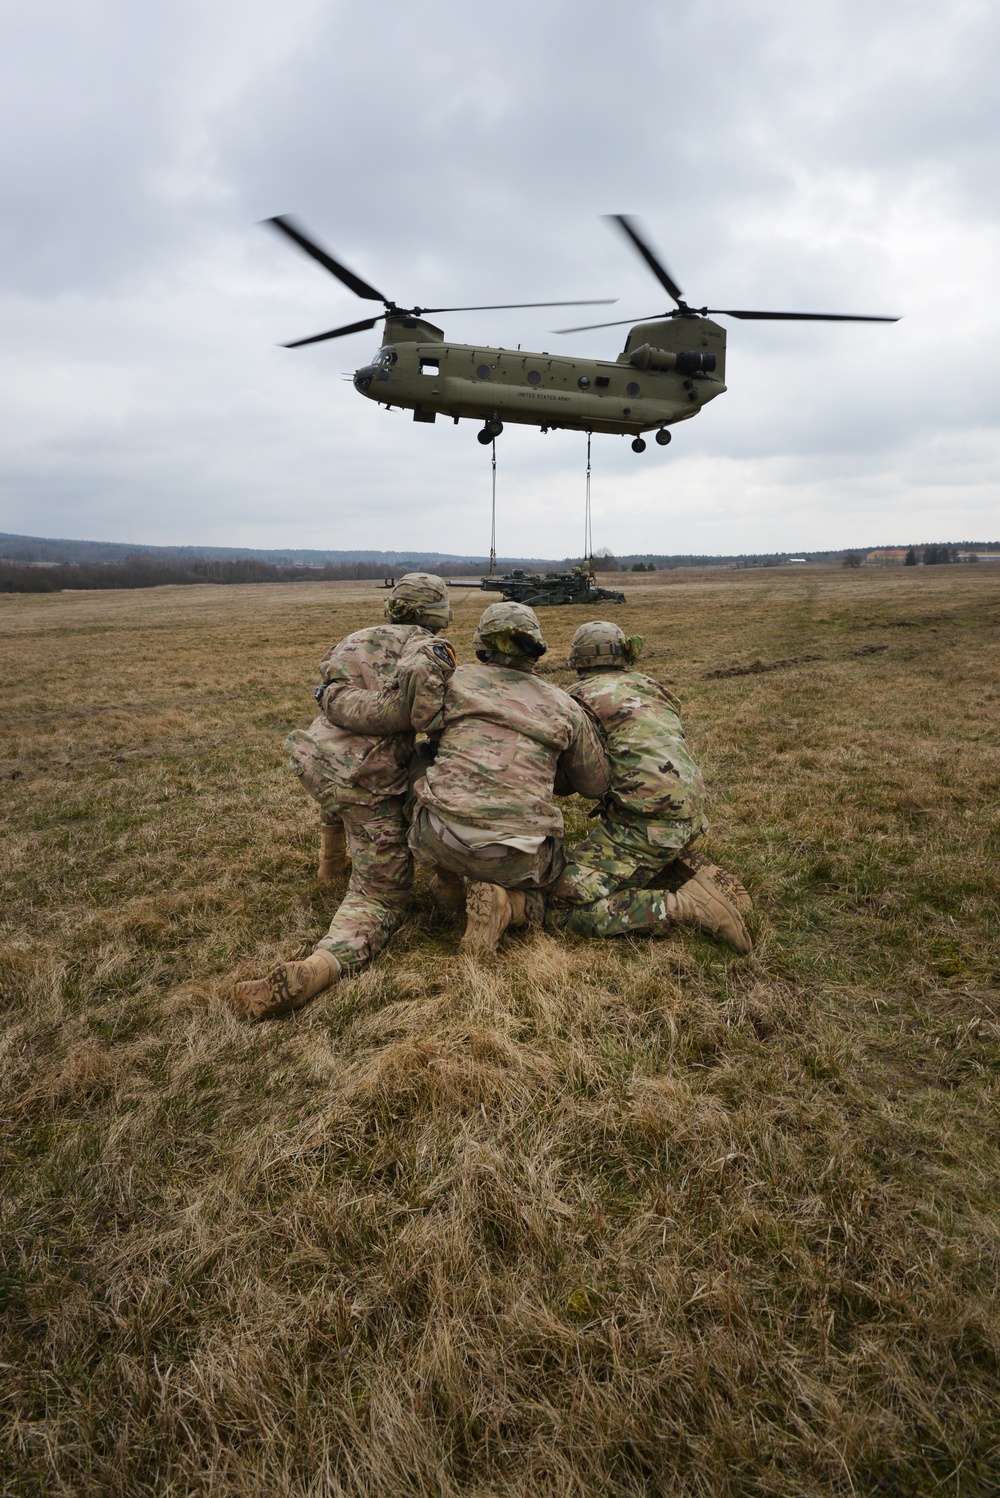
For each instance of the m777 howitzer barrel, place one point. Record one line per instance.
(544, 590)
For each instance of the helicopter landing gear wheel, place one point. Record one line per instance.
(663, 436)
(484, 437)
(491, 429)
(638, 446)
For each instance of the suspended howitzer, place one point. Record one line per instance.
(545, 589)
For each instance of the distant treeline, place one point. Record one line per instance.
(15, 548)
(141, 572)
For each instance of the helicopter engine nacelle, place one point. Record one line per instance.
(688, 361)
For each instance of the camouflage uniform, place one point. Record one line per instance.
(380, 685)
(486, 806)
(652, 812)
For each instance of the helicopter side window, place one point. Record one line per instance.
(430, 366)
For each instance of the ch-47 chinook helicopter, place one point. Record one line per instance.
(672, 365)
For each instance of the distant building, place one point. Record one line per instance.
(800, 560)
(887, 556)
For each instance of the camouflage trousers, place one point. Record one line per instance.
(497, 863)
(601, 891)
(381, 865)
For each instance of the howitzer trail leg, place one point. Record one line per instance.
(334, 858)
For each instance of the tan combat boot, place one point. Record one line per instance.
(288, 987)
(701, 867)
(699, 903)
(447, 892)
(333, 856)
(491, 909)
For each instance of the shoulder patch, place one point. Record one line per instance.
(444, 653)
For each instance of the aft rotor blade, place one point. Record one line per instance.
(351, 327)
(659, 270)
(600, 301)
(796, 316)
(297, 236)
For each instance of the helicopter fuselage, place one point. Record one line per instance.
(668, 370)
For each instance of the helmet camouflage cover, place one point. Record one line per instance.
(419, 598)
(601, 645)
(510, 629)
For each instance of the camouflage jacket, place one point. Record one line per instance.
(504, 734)
(653, 776)
(382, 684)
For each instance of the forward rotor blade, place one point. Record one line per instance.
(796, 316)
(600, 301)
(295, 234)
(351, 327)
(659, 270)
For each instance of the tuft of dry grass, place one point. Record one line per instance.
(624, 1218)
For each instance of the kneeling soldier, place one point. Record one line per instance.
(650, 817)
(487, 814)
(379, 686)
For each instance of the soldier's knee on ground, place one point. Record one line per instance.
(656, 913)
(361, 927)
(579, 884)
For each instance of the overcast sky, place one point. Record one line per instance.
(837, 156)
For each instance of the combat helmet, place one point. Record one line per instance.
(419, 598)
(602, 646)
(511, 631)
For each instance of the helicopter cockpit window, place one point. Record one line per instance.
(430, 366)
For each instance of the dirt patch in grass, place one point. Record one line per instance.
(760, 668)
(617, 1219)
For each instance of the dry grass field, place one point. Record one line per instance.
(598, 1219)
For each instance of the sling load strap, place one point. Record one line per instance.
(493, 526)
(588, 534)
